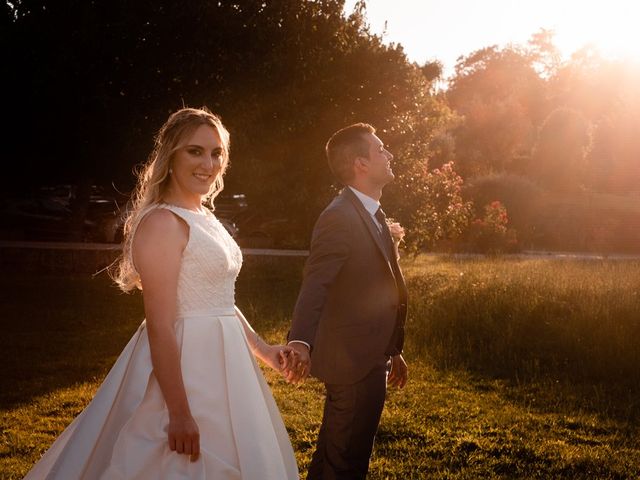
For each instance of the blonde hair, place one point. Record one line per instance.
(153, 178)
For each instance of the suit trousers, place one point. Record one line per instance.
(349, 424)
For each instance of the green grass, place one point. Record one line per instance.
(488, 397)
(568, 320)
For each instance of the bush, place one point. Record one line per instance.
(589, 222)
(438, 211)
(490, 234)
(519, 195)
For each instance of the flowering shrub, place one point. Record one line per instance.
(490, 234)
(437, 210)
(521, 197)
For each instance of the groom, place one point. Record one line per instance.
(348, 322)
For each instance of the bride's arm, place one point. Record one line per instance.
(278, 357)
(157, 254)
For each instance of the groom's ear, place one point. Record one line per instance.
(360, 164)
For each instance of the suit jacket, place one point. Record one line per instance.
(351, 307)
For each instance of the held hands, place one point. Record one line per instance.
(299, 366)
(292, 361)
(184, 436)
(278, 357)
(287, 360)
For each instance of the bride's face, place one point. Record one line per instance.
(197, 163)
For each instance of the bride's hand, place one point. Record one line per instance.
(279, 357)
(184, 435)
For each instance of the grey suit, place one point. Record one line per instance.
(351, 310)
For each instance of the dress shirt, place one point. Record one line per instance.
(371, 205)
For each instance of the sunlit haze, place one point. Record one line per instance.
(444, 30)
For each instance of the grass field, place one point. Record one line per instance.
(518, 368)
(569, 320)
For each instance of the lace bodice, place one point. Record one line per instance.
(211, 262)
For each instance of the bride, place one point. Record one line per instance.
(185, 399)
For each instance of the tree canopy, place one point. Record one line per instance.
(91, 82)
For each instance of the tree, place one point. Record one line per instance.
(614, 159)
(502, 99)
(605, 93)
(283, 75)
(543, 53)
(559, 157)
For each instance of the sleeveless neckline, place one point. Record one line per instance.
(205, 213)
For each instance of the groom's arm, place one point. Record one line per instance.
(330, 248)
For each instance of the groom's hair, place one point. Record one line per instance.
(344, 146)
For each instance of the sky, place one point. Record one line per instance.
(445, 29)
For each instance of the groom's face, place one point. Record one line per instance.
(379, 161)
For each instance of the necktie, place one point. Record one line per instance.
(385, 234)
(397, 339)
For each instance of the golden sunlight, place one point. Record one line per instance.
(429, 30)
(610, 27)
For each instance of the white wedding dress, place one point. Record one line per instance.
(122, 434)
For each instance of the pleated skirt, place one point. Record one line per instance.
(122, 434)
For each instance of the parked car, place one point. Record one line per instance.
(258, 230)
(47, 215)
(230, 204)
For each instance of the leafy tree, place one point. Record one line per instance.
(543, 53)
(559, 158)
(605, 94)
(502, 99)
(283, 75)
(614, 159)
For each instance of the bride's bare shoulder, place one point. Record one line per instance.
(161, 226)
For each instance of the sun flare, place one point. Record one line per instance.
(428, 29)
(610, 27)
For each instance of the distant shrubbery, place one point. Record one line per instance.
(489, 233)
(512, 213)
(519, 196)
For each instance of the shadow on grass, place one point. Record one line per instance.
(58, 331)
(545, 394)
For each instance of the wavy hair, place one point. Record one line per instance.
(153, 179)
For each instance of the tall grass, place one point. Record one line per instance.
(576, 320)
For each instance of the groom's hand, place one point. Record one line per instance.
(300, 369)
(399, 372)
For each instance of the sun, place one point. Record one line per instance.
(609, 26)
